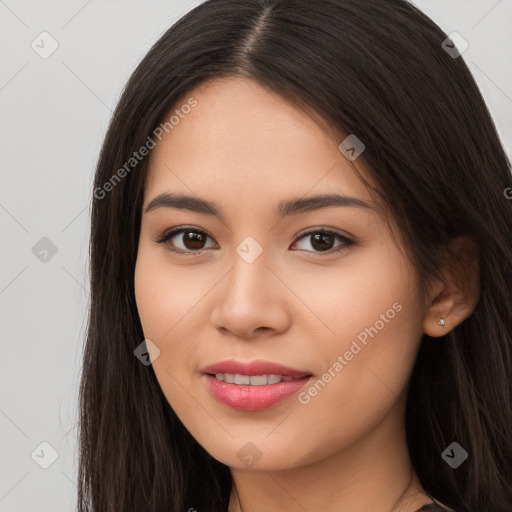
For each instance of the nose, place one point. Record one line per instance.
(251, 300)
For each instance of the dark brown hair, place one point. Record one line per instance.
(372, 68)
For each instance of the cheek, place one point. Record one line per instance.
(370, 294)
(169, 299)
(165, 300)
(164, 293)
(365, 342)
(360, 385)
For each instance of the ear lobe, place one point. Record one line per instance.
(460, 289)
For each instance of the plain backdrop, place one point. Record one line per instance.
(53, 116)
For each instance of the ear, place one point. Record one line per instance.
(454, 298)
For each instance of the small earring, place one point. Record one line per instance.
(441, 322)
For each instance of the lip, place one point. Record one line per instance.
(258, 367)
(253, 398)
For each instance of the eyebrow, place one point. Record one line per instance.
(284, 208)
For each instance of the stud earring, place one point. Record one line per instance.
(441, 322)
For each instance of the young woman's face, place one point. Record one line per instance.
(250, 284)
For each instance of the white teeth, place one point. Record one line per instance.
(258, 380)
(253, 380)
(242, 379)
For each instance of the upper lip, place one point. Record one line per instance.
(258, 367)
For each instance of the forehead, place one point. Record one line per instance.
(241, 142)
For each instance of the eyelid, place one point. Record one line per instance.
(325, 229)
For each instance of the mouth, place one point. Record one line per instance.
(252, 386)
(253, 380)
(256, 373)
(253, 393)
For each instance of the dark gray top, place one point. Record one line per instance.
(431, 507)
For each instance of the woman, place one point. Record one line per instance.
(300, 268)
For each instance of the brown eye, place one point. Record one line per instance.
(323, 240)
(193, 240)
(185, 240)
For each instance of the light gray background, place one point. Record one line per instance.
(53, 117)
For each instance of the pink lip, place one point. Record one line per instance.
(257, 367)
(253, 398)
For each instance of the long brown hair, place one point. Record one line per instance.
(376, 69)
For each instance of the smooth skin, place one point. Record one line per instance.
(298, 303)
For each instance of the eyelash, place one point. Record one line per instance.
(347, 243)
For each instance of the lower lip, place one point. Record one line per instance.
(253, 398)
